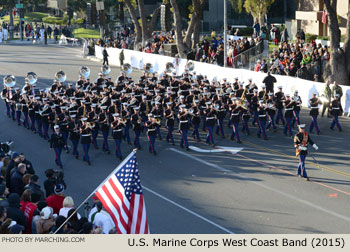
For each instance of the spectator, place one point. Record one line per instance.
(11, 168)
(46, 221)
(5, 162)
(50, 182)
(17, 185)
(58, 223)
(56, 201)
(16, 229)
(105, 56)
(4, 191)
(256, 28)
(49, 31)
(3, 214)
(13, 210)
(285, 36)
(56, 33)
(269, 82)
(68, 204)
(35, 187)
(257, 66)
(36, 215)
(29, 210)
(26, 179)
(103, 219)
(336, 89)
(74, 220)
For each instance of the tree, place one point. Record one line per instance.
(257, 8)
(143, 28)
(338, 68)
(185, 44)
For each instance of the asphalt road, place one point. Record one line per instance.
(253, 191)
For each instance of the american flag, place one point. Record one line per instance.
(324, 16)
(122, 197)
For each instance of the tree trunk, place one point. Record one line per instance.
(196, 33)
(11, 26)
(347, 43)
(181, 48)
(153, 22)
(143, 19)
(136, 24)
(338, 68)
(121, 12)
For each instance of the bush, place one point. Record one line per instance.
(309, 37)
(323, 37)
(56, 20)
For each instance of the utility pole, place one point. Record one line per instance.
(225, 34)
(20, 20)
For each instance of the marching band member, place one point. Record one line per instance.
(74, 135)
(151, 126)
(234, 119)
(301, 139)
(336, 111)
(183, 126)
(104, 125)
(136, 121)
(85, 133)
(117, 133)
(297, 108)
(57, 143)
(196, 120)
(262, 120)
(170, 121)
(314, 102)
(210, 123)
(271, 111)
(279, 99)
(288, 115)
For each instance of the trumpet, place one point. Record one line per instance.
(60, 76)
(9, 81)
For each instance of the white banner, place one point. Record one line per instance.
(290, 84)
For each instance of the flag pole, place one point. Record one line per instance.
(91, 194)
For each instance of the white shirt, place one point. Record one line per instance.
(64, 212)
(104, 220)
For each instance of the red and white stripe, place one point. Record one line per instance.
(129, 217)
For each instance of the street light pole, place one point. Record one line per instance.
(20, 22)
(225, 34)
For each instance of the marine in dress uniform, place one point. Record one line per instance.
(301, 140)
(336, 111)
(85, 133)
(57, 144)
(183, 126)
(279, 99)
(262, 117)
(314, 102)
(170, 122)
(117, 134)
(151, 133)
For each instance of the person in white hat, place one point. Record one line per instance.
(314, 102)
(184, 125)
(103, 121)
(57, 143)
(301, 140)
(170, 122)
(210, 123)
(336, 111)
(262, 117)
(85, 140)
(117, 133)
(151, 133)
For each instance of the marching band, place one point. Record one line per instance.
(80, 113)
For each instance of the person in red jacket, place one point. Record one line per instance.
(28, 206)
(56, 201)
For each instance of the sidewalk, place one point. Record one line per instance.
(50, 42)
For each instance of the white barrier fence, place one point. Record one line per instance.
(290, 84)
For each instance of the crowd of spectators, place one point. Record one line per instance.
(26, 208)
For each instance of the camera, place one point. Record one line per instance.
(6, 148)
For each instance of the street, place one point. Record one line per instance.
(198, 191)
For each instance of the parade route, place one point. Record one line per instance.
(233, 188)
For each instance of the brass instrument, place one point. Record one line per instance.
(60, 76)
(31, 78)
(84, 72)
(149, 68)
(105, 69)
(9, 81)
(189, 66)
(127, 68)
(169, 67)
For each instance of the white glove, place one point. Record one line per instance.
(302, 148)
(315, 146)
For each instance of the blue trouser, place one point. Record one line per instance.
(18, 117)
(45, 129)
(75, 147)
(210, 137)
(314, 124)
(271, 122)
(86, 148)
(126, 133)
(245, 127)
(235, 132)
(26, 120)
(13, 112)
(58, 151)
(170, 134)
(65, 138)
(335, 122)
(32, 123)
(137, 138)
(183, 138)
(152, 140)
(280, 116)
(118, 151)
(203, 120)
(158, 130)
(301, 166)
(196, 131)
(94, 137)
(8, 111)
(262, 125)
(39, 125)
(296, 117)
(288, 126)
(220, 127)
(105, 146)
(255, 114)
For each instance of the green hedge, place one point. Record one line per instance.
(309, 37)
(55, 20)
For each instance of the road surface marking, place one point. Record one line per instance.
(278, 191)
(232, 150)
(188, 210)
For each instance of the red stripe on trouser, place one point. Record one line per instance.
(150, 142)
(315, 123)
(57, 158)
(183, 138)
(261, 129)
(210, 138)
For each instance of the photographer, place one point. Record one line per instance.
(53, 178)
